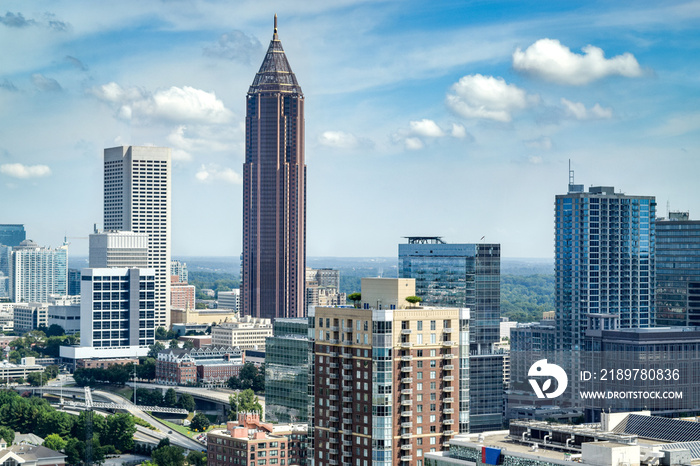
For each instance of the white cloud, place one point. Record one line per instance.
(45, 84)
(236, 46)
(552, 61)
(413, 144)
(579, 111)
(426, 128)
(338, 139)
(458, 131)
(213, 172)
(477, 96)
(185, 104)
(18, 170)
(542, 143)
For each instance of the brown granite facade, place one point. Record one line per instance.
(274, 192)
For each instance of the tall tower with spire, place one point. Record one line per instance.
(274, 191)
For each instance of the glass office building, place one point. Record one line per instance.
(287, 371)
(37, 272)
(465, 275)
(604, 264)
(678, 271)
(12, 235)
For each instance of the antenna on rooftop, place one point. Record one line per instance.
(571, 174)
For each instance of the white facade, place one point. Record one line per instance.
(117, 308)
(229, 300)
(30, 316)
(118, 249)
(179, 269)
(245, 333)
(66, 313)
(137, 198)
(36, 272)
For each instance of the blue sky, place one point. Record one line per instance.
(449, 118)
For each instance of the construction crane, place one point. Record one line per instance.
(89, 404)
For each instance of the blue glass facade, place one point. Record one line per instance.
(466, 275)
(678, 272)
(12, 235)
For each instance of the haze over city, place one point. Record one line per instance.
(453, 118)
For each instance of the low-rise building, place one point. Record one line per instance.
(250, 441)
(104, 363)
(29, 455)
(246, 333)
(9, 371)
(62, 311)
(198, 341)
(229, 300)
(208, 366)
(30, 316)
(206, 317)
(181, 294)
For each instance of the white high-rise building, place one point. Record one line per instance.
(37, 273)
(137, 197)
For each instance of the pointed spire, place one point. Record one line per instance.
(275, 74)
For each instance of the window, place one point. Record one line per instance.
(432, 374)
(419, 364)
(432, 325)
(420, 325)
(432, 440)
(419, 375)
(419, 339)
(419, 386)
(433, 339)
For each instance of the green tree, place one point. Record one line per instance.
(174, 344)
(54, 442)
(188, 344)
(197, 458)
(187, 402)
(244, 401)
(355, 298)
(7, 434)
(164, 442)
(170, 399)
(122, 429)
(146, 369)
(413, 300)
(154, 349)
(36, 379)
(55, 330)
(199, 422)
(168, 456)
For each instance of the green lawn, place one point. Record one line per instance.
(182, 429)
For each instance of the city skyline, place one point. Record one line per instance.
(448, 119)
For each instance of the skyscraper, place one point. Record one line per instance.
(137, 198)
(390, 379)
(604, 267)
(678, 270)
(12, 234)
(465, 275)
(274, 191)
(37, 273)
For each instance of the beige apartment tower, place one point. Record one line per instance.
(391, 379)
(137, 197)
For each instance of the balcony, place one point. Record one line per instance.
(406, 413)
(333, 408)
(333, 354)
(333, 397)
(448, 422)
(333, 341)
(407, 380)
(347, 420)
(449, 399)
(448, 432)
(346, 355)
(347, 388)
(347, 453)
(332, 451)
(448, 378)
(333, 386)
(448, 367)
(333, 376)
(347, 329)
(347, 410)
(406, 369)
(333, 429)
(448, 389)
(406, 436)
(347, 367)
(406, 446)
(406, 402)
(334, 328)
(333, 440)
(448, 411)
(405, 331)
(347, 443)
(448, 343)
(333, 419)
(407, 391)
(347, 431)
(333, 462)
(447, 330)
(407, 425)
(333, 365)
(347, 399)
(448, 356)
(407, 358)
(406, 344)
(407, 458)
(349, 377)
